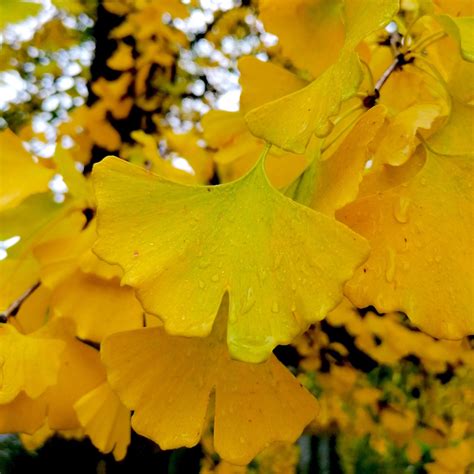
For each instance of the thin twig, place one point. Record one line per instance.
(15, 306)
(386, 74)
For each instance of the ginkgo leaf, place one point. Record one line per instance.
(86, 291)
(290, 121)
(396, 341)
(460, 28)
(22, 415)
(388, 340)
(399, 140)
(238, 150)
(22, 363)
(282, 264)
(168, 381)
(77, 372)
(262, 82)
(60, 257)
(37, 219)
(157, 163)
(33, 312)
(456, 136)
(80, 371)
(337, 179)
(99, 307)
(186, 145)
(105, 420)
(415, 266)
(20, 175)
(310, 32)
(454, 8)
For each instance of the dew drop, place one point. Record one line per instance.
(275, 308)
(201, 284)
(215, 277)
(249, 302)
(400, 210)
(324, 129)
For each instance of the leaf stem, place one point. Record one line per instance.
(385, 75)
(427, 41)
(15, 306)
(344, 130)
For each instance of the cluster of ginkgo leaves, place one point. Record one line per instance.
(147, 297)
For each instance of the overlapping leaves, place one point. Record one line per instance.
(282, 264)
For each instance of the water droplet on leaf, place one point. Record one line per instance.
(400, 210)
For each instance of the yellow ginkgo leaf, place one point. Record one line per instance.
(310, 32)
(216, 125)
(22, 363)
(77, 372)
(33, 312)
(454, 7)
(168, 381)
(187, 146)
(460, 28)
(415, 266)
(80, 371)
(399, 140)
(105, 420)
(238, 150)
(263, 82)
(34, 441)
(37, 219)
(337, 179)
(94, 299)
(59, 258)
(289, 122)
(157, 163)
(396, 341)
(22, 415)
(183, 247)
(20, 176)
(456, 136)
(99, 307)
(460, 86)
